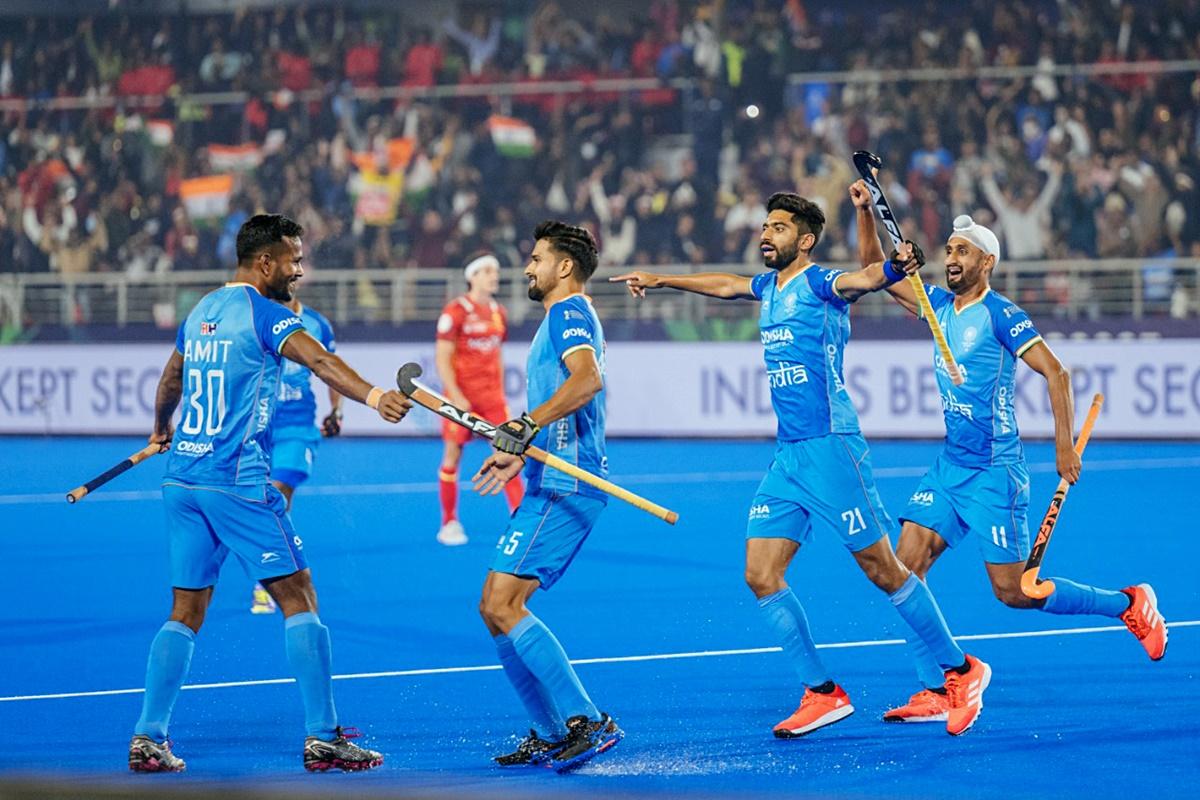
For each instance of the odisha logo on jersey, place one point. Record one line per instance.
(193, 448)
(1023, 325)
(921, 499)
(584, 332)
(284, 324)
(776, 336)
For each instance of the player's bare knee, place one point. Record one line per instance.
(763, 579)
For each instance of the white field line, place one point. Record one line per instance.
(973, 637)
(419, 487)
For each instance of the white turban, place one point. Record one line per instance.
(978, 235)
(480, 263)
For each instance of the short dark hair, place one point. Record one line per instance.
(571, 241)
(805, 213)
(264, 230)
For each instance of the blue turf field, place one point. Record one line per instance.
(84, 589)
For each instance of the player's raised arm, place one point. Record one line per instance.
(337, 374)
(875, 275)
(1041, 358)
(723, 285)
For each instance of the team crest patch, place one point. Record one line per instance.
(969, 336)
(789, 303)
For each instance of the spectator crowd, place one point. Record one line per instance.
(351, 122)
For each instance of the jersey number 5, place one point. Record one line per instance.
(206, 409)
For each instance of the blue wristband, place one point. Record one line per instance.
(890, 272)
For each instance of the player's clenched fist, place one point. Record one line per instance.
(638, 282)
(393, 406)
(860, 195)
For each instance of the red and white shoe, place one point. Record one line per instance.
(816, 711)
(964, 694)
(1144, 620)
(924, 706)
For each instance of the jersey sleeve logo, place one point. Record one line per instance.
(445, 323)
(572, 332)
(1017, 329)
(284, 324)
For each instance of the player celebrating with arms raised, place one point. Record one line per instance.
(228, 356)
(469, 334)
(821, 477)
(565, 373)
(979, 484)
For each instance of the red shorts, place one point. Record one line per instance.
(453, 432)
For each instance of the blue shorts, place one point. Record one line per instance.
(292, 453)
(990, 502)
(544, 534)
(206, 523)
(821, 483)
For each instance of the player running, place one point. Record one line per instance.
(821, 476)
(295, 434)
(228, 359)
(565, 371)
(978, 486)
(469, 334)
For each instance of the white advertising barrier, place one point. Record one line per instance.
(655, 389)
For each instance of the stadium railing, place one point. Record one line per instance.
(1074, 290)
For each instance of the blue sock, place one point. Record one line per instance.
(1075, 598)
(916, 605)
(929, 672)
(166, 670)
(785, 616)
(311, 657)
(533, 695)
(546, 660)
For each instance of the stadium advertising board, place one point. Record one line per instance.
(659, 389)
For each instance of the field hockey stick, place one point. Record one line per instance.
(1030, 584)
(406, 379)
(866, 164)
(80, 492)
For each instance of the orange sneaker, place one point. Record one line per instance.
(816, 711)
(924, 706)
(1144, 621)
(964, 695)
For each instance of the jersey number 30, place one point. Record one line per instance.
(206, 409)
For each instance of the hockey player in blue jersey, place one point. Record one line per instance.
(565, 375)
(217, 494)
(820, 480)
(294, 430)
(978, 487)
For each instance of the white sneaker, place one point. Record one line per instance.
(452, 534)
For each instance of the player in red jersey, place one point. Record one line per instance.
(469, 334)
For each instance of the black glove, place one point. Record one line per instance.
(514, 436)
(917, 253)
(332, 425)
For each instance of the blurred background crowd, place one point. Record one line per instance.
(381, 137)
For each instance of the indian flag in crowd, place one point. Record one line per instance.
(161, 132)
(234, 158)
(512, 137)
(207, 198)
